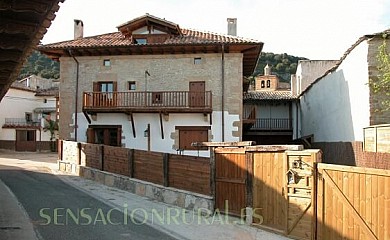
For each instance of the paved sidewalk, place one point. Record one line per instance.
(175, 221)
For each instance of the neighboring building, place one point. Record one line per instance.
(338, 104)
(268, 111)
(24, 115)
(153, 85)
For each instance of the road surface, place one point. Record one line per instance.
(59, 211)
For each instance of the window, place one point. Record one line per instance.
(190, 134)
(28, 117)
(105, 134)
(268, 83)
(262, 84)
(156, 97)
(197, 61)
(140, 41)
(106, 62)
(106, 86)
(132, 86)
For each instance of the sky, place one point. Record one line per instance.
(315, 29)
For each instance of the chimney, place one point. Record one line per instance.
(267, 70)
(232, 26)
(78, 29)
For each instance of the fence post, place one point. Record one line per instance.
(315, 200)
(79, 153)
(166, 169)
(212, 172)
(249, 178)
(131, 162)
(101, 157)
(60, 147)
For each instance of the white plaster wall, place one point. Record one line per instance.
(15, 104)
(337, 107)
(158, 144)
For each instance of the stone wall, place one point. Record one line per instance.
(167, 73)
(376, 115)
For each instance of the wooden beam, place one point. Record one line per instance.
(274, 148)
(222, 144)
(161, 126)
(132, 124)
(87, 117)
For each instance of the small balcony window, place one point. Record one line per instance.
(132, 86)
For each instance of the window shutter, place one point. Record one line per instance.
(96, 87)
(114, 86)
(90, 135)
(119, 137)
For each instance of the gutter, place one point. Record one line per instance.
(223, 90)
(76, 94)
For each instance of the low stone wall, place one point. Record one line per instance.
(184, 199)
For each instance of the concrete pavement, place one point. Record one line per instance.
(174, 221)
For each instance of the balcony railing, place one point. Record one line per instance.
(147, 101)
(21, 122)
(272, 124)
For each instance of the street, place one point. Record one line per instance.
(59, 211)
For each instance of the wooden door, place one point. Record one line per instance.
(300, 195)
(231, 178)
(26, 140)
(197, 94)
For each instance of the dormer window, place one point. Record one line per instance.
(140, 41)
(262, 84)
(268, 83)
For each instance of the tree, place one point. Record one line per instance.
(52, 127)
(381, 84)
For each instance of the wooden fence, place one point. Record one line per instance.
(353, 203)
(170, 170)
(300, 197)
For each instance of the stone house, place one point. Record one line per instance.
(336, 102)
(153, 85)
(24, 114)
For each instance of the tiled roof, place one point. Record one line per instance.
(116, 39)
(21, 86)
(48, 92)
(268, 95)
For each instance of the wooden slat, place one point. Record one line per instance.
(338, 192)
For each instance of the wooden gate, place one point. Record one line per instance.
(231, 180)
(353, 203)
(283, 191)
(26, 140)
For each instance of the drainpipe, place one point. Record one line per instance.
(76, 93)
(223, 90)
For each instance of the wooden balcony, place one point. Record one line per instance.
(272, 124)
(144, 102)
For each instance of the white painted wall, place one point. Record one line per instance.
(141, 121)
(336, 108)
(15, 104)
